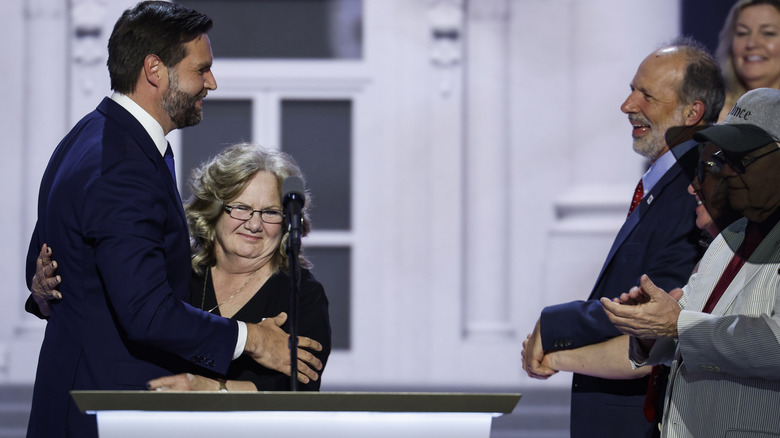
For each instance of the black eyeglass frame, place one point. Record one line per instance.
(720, 158)
(263, 214)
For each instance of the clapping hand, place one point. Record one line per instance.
(645, 312)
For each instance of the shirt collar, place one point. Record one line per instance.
(151, 126)
(657, 170)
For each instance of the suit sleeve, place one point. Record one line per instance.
(745, 344)
(125, 216)
(742, 345)
(662, 352)
(579, 323)
(574, 325)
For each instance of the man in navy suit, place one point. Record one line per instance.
(678, 86)
(721, 338)
(108, 202)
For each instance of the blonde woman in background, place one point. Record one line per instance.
(749, 49)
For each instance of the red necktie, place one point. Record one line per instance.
(653, 394)
(752, 239)
(639, 193)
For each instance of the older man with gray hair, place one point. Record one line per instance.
(723, 337)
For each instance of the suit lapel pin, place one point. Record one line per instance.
(649, 199)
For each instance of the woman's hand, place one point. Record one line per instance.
(44, 282)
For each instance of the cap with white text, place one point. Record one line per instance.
(754, 121)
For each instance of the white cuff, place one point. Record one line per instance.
(241, 341)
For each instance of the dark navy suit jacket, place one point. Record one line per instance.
(659, 239)
(110, 208)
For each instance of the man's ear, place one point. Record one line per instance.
(153, 70)
(693, 113)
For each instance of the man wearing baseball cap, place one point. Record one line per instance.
(721, 339)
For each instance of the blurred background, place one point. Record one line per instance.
(468, 161)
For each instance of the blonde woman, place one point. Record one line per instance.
(749, 49)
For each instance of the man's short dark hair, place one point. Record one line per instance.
(702, 79)
(151, 28)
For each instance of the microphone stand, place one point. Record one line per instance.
(293, 251)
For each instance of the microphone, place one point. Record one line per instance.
(293, 200)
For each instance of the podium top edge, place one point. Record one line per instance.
(499, 403)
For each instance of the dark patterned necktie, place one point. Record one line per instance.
(639, 193)
(169, 161)
(752, 240)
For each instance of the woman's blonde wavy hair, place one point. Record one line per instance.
(221, 180)
(735, 88)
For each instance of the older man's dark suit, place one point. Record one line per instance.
(109, 207)
(659, 239)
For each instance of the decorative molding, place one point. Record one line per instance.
(88, 42)
(446, 18)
